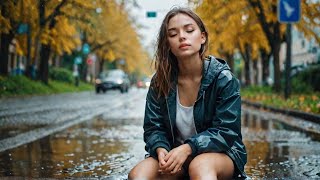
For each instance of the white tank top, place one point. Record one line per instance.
(184, 121)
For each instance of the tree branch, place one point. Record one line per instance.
(262, 17)
(55, 13)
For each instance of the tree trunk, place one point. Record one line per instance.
(46, 48)
(247, 65)
(12, 61)
(44, 65)
(255, 71)
(230, 60)
(101, 64)
(265, 57)
(4, 53)
(276, 57)
(5, 39)
(272, 32)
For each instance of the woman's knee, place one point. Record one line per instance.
(146, 169)
(211, 164)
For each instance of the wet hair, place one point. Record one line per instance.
(166, 63)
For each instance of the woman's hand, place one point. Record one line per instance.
(175, 159)
(162, 152)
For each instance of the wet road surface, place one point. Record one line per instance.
(107, 144)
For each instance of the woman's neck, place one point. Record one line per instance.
(190, 67)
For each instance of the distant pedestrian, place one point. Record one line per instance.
(192, 126)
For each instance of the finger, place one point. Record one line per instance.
(168, 163)
(167, 157)
(176, 169)
(171, 167)
(161, 159)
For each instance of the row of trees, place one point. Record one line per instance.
(55, 28)
(251, 28)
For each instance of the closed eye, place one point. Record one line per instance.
(190, 31)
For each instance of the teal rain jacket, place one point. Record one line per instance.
(217, 116)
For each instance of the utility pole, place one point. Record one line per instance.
(287, 89)
(289, 11)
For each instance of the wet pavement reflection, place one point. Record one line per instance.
(92, 149)
(276, 150)
(108, 146)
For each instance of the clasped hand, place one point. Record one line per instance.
(171, 162)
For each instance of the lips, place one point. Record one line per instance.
(184, 45)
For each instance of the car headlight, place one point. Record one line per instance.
(98, 81)
(119, 81)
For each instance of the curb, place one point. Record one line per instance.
(303, 115)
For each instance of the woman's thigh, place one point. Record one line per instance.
(210, 166)
(148, 169)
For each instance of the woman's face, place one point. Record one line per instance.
(184, 36)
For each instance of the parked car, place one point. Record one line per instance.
(145, 83)
(112, 79)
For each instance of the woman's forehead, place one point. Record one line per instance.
(180, 20)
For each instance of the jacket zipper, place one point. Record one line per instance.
(171, 127)
(203, 95)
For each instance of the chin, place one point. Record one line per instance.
(187, 54)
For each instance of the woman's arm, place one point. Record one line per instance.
(154, 128)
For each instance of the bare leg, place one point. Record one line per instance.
(211, 166)
(148, 170)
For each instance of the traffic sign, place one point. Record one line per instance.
(89, 61)
(151, 14)
(78, 60)
(23, 28)
(85, 48)
(289, 11)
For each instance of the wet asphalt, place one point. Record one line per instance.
(99, 136)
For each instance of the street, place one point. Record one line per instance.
(88, 135)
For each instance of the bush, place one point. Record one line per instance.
(61, 74)
(309, 78)
(20, 85)
(299, 86)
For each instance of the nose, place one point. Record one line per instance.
(182, 36)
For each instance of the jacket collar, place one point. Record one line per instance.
(211, 68)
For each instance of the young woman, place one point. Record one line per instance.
(192, 125)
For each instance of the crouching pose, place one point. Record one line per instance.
(192, 125)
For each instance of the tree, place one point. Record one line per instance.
(224, 17)
(232, 27)
(8, 25)
(116, 38)
(266, 13)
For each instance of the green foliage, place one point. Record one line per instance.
(310, 77)
(303, 101)
(300, 86)
(61, 74)
(21, 86)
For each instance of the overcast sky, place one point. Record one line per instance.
(152, 25)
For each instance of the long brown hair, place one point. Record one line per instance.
(166, 63)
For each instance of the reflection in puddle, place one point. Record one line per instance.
(92, 149)
(110, 148)
(275, 150)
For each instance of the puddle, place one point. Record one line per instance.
(110, 148)
(92, 149)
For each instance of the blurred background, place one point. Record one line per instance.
(74, 75)
(73, 41)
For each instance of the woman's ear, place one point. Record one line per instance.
(203, 37)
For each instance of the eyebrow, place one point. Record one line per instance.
(186, 25)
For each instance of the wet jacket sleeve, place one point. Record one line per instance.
(154, 127)
(225, 129)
